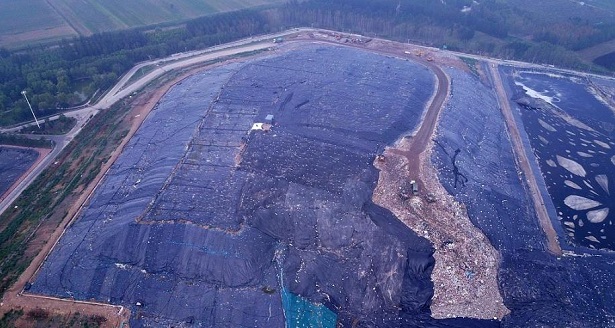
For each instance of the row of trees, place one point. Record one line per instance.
(59, 77)
(68, 74)
(492, 27)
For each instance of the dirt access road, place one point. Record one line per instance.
(465, 272)
(15, 297)
(422, 137)
(116, 316)
(553, 245)
(124, 89)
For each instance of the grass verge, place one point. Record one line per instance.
(45, 201)
(42, 318)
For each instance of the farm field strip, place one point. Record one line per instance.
(44, 20)
(119, 94)
(34, 15)
(37, 22)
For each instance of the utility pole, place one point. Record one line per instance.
(31, 110)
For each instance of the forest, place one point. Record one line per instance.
(74, 71)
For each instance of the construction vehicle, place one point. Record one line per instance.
(415, 187)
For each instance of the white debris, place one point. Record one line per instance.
(572, 185)
(535, 94)
(602, 144)
(546, 125)
(580, 203)
(583, 154)
(592, 238)
(572, 166)
(603, 181)
(597, 216)
(543, 140)
(572, 121)
(122, 266)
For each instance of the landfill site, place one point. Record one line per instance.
(14, 162)
(334, 182)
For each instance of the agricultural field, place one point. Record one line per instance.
(52, 20)
(23, 22)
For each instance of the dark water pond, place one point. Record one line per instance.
(574, 143)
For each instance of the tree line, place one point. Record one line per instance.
(494, 28)
(69, 74)
(73, 71)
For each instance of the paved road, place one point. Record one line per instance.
(423, 136)
(182, 60)
(123, 89)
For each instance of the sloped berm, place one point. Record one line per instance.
(210, 218)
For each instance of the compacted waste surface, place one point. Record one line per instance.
(540, 289)
(245, 200)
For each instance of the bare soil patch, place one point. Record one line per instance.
(465, 274)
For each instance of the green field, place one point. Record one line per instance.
(21, 16)
(26, 22)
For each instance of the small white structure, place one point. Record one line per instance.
(257, 126)
(261, 127)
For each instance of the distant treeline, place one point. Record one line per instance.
(67, 75)
(495, 28)
(70, 73)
